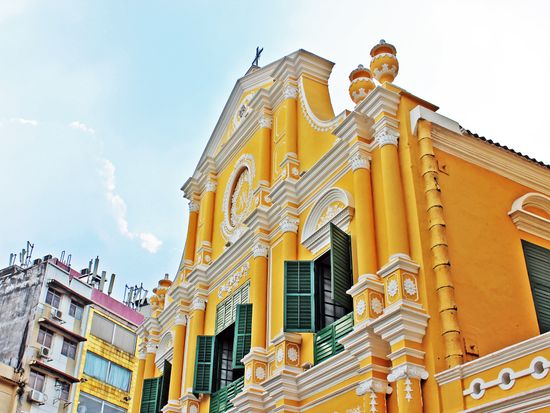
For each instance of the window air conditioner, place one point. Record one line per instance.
(37, 397)
(57, 314)
(44, 352)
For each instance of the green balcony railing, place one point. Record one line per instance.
(326, 340)
(221, 400)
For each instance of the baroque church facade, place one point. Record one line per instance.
(380, 260)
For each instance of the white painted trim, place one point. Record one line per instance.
(316, 123)
(528, 221)
(527, 401)
(421, 112)
(497, 358)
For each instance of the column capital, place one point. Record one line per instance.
(142, 355)
(290, 92)
(152, 347)
(180, 319)
(386, 136)
(193, 206)
(407, 370)
(265, 121)
(373, 386)
(359, 161)
(260, 250)
(198, 303)
(210, 185)
(289, 224)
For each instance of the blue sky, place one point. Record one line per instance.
(105, 106)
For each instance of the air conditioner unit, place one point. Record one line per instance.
(57, 314)
(44, 352)
(37, 397)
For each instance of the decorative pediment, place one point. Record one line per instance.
(336, 206)
(531, 213)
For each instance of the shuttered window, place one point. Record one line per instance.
(243, 333)
(341, 268)
(227, 309)
(299, 301)
(538, 266)
(327, 340)
(150, 395)
(204, 364)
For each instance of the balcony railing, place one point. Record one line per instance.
(326, 340)
(221, 400)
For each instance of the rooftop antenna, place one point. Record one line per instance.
(102, 280)
(26, 254)
(256, 60)
(62, 256)
(13, 258)
(69, 260)
(111, 284)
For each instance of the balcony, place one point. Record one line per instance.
(221, 400)
(327, 340)
(511, 379)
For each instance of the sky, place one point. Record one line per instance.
(106, 106)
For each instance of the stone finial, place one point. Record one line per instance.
(361, 84)
(384, 64)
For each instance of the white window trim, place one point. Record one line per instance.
(528, 221)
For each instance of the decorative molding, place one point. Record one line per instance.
(230, 231)
(529, 221)
(210, 186)
(152, 347)
(538, 369)
(373, 386)
(265, 122)
(386, 136)
(316, 123)
(233, 280)
(193, 206)
(527, 401)
(334, 205)
(198, 303)
(180, 319)
(359, 161)
(290, 92)
(260, 250)
(289, 224)
(498, 358)
(407, 370)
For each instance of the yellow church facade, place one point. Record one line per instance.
(380, 260)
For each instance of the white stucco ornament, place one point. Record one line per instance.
(361, 306)
(292, 354)
(410, 286)
(193, 409)
(248, 373)
(392, 288)
(260, 373)
(376, 305)
(280, 355)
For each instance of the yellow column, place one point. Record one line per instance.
(190, 240)
(290, 164)
(179, 330)
(138, 389)
(289, 228)
(258, 296)
(196, 328)
(396, 227)
(204, 245)
(264, 159)
(150, 367)
(406, 379)
(364, 215)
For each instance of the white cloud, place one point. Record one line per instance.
(24, 121)
(82, 127)
(149, 241)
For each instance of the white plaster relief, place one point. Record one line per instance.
(210, 186)
(193, 206)
(392, 288)
(260, 250)
(265, 122)
(358, 161)
(233, 280)
(289, 224)
(376, 305)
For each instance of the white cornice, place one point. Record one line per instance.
(505, 355)
(302, 62)
(528, 221)
(527, 401)
(354, 125)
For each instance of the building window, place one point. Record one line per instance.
(36, 381)
(64, 389)
(53, 298)
(45, 337)
(69, 349)
(537, 260)
(113, 333)
(218, 360)
(154, 395)
(107, 371)
(315, 295)
(76, 310)
(90, 404)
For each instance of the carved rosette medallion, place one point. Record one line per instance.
(238, 198)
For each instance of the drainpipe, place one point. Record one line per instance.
(439, 248)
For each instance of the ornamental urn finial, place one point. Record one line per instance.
(361, 84)
(384, 63)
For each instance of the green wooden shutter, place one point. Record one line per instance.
(341, 268)
(299, 312)
(164, 386)
(149, 396)
(538, 266)
(204, 364)
(243, 334)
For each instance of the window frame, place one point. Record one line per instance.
(67, 345)
(33, 377)
(45, 334)
(108, 371)
(78, 310)
(53, 294)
